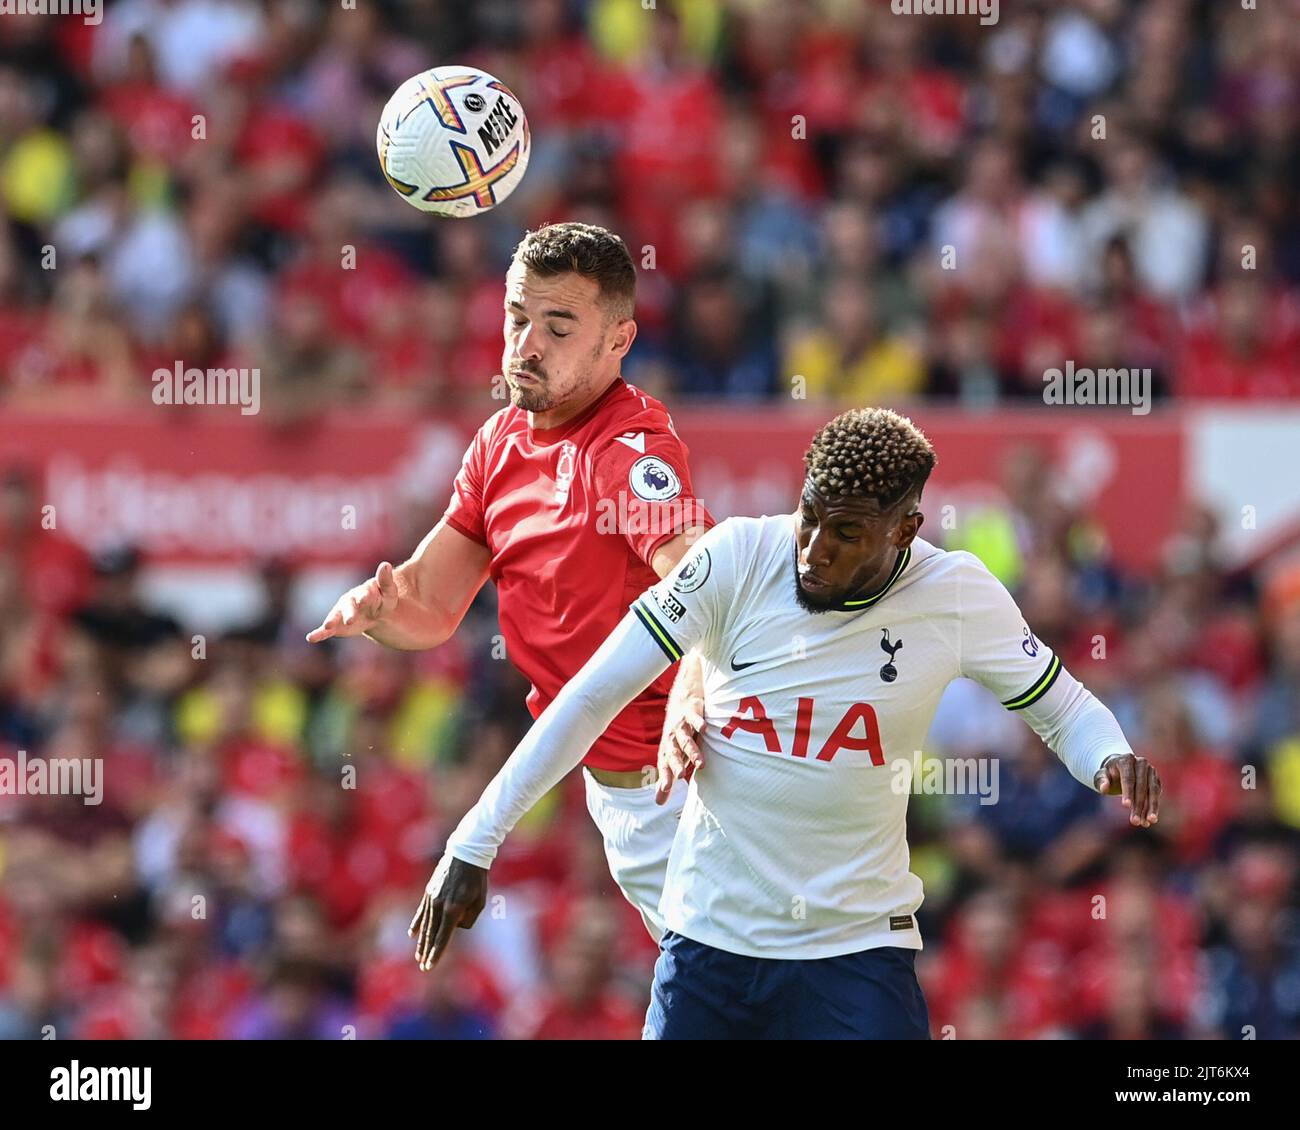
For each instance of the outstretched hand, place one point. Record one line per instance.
(454, 896)
(1138, 783)
(361, 608)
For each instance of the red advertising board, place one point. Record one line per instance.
(220, 488)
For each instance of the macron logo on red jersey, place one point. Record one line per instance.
(634, 440)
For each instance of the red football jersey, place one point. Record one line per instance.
(573, 516)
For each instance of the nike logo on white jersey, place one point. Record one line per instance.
(634, 440)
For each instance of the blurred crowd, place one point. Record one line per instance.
(271, 810)
(885, 206)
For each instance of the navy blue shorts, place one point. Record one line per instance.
(703, 993)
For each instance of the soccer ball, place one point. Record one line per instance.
(454, 141)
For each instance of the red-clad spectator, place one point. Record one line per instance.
(79, 351)
(55, 572)
(588, 883)
(578, 1001)
(1133, 923)
(1202, 791)
(1150, 328)
(1242, 345)
(206, 999)
(157, 123)
(923, 105)
(669, 115)
(341, 848)
(276, 149)
(802, 65)
(557, 67)
(989, 956)
(1038, 329)
(22, 320)
(353, 281)
(92, 956)
(392, 987)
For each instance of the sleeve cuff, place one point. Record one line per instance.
(658, 632)
(467, 854)
(1041, 686)
(460, 527)
(680, 528)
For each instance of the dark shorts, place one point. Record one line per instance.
(702, 993)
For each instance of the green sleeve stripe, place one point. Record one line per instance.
(666, 642)
(1040, 688)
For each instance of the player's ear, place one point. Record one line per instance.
(622, 333)
(908, 527)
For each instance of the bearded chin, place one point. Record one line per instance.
(529, 399)
(805, 602)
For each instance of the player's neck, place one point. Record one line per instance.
(882, 580)
(877, 582)
(557, 417)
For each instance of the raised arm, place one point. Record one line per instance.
(1080, 729)
(997, 648)
(420, 603)
(622, 667)
(678, 613)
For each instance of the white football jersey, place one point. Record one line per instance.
(792, 842)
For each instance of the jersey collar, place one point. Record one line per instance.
(857, 604)
(547, 436)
